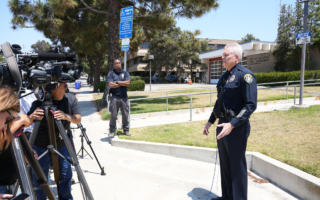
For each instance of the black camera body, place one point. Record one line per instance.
(36, 70)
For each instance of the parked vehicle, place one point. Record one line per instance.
(154, 79)
(186, 80)
(171, 78)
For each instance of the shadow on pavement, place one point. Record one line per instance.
(201, 194)
(106, 139)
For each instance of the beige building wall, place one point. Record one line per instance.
(315, 57)
(263, 62)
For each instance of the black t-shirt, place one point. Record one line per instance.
(69, 106)
(8, 175)
(115, 76)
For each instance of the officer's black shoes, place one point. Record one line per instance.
(127, 133)
(219, 198)
(111, 135)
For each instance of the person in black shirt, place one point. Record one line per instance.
(9, 123)
(68, 112)
(118, 81)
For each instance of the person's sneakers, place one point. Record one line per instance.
(127, 133)
(111, 135)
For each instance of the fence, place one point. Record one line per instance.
(193, 94)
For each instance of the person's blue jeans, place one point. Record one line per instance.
(65, 174)
(3, 189)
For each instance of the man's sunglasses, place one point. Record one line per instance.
(13, 118)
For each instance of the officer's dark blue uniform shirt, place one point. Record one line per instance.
(115, 76)
(239, 94)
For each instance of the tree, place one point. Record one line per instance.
(2, 59)
(41, 46)
(91, 27)
(249, 37)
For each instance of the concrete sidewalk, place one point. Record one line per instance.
(142, 176)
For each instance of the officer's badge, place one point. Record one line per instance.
(122, 76)
(248, 78)
(232, 78)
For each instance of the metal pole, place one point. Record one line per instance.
(303, 53)
(150, 75)
(210, 97)
(295, 90)
(167, 101)
(191, 107)
(287, 89)
(125, 61)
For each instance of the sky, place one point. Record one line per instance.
(233, 19)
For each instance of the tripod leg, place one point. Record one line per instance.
(74, 159)
(52, 137)
(89, 143)
(37, 170)
(25, 180)
(34, 132)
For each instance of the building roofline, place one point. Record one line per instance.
(252, 41)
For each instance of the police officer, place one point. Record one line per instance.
(237, 100)
(118, 81)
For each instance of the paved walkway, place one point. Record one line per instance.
(143, 176)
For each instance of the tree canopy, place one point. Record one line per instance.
(249, 37)
(41, 46)
(287, 53)
(2, 59)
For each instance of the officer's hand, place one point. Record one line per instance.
(37, 114)
(226, 130)
(5, 196)
(206, 128)
(60, 115)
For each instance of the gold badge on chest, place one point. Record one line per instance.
(232, 78)
(122, 75)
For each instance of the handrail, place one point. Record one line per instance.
(162, 97)
(208, 88)
(286, 82)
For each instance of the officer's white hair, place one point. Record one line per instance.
(235, 49)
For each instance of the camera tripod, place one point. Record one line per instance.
(21, 147)
(84, 135)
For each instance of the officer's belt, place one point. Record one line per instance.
(228, 114)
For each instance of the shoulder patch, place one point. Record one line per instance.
(248, 78)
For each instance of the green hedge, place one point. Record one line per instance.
(286, 76)
(134, 86)
(135, 78)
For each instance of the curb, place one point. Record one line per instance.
(291, 179)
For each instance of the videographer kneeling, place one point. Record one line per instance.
(9, 123)
(68, 112)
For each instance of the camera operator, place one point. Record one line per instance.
(68, 112)
(9, 123)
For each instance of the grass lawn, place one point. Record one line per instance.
(292, 137)
(183, 102)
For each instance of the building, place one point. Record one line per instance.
(135, 64)
(256, 57)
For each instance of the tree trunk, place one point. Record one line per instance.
(96, 80)
(91, 64)
(113, 33)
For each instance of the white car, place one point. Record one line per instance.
(186, 80)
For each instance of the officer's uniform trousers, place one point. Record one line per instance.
(117, 103)
(233, 166)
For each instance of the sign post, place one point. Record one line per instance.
(150, 57)
(303, 41)
(126, 17)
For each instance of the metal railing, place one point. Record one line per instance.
(167, 96)
(207, 88)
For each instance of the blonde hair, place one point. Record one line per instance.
(9, 100)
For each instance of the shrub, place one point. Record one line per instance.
(105, 115)
(101, 86)
(286, 76)
(137, 85)
(134, 86)
(135, 78)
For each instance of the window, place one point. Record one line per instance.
(244, 62)
(145, 45)
(215, 69)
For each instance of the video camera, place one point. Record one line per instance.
(40, 71)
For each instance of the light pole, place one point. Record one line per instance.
(303, 59)
(150, 57)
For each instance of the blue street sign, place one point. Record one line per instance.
(125, 48)
(303, 38)
(126, 17)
